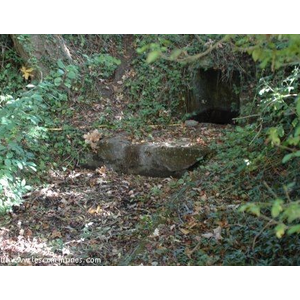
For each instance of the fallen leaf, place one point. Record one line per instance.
(184, 231)
(28, 232)
(95, 211)
(56, 234)
(216, 234)
(207, 235)
(156, 232)
(92, 138)
(26, 72)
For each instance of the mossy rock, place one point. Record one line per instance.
(148, 159)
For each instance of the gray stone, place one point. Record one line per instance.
(148, 159)
(191, 123)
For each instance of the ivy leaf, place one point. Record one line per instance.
(280, 230)
(277, 208)
(291, 155)
(19, 164)
(292, 213)
(255, 210)
(60, 64)
(287, 158)
(175, 53)
(297, 131)
(274, 136)
(153, 56)
(250, 207)
(26, 72)
(71, 75)
(57, 81)
(256, 54)
(294, 229)
(7, 162)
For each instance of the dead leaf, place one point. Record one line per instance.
(156, 232)
(26, 72)
(203, 197)
(184, 231)
(191, 224)
(56, 234)
(28, 232)
(216, 234)
(92, 138)
(95, 211)
(102, 170)
(207, 235)
(189, 251)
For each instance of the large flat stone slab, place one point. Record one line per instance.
(148, 159)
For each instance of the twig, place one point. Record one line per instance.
(198, 39)
(199, 55)
(287, 194)
(257, 134)
(271, 222)
(246, 117)
(75, 128)
(169, 125)
(270, 190)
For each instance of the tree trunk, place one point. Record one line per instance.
(41, 51)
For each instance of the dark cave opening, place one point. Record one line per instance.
(214, 98)
(216, 116)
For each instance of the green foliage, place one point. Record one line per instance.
(256, 168)
(101, 65)
(88, 44)
(66, 76)
(20, 128)
(277, 50)
(280, 121)
(158, 89)
(270, 143)
(97, 67)
(10, 79)
(164, 75)
(97, 56)
(26, 113)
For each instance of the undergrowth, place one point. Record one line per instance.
(251, 188)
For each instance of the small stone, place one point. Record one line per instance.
(191, 123)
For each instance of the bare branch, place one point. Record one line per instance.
(199, 55)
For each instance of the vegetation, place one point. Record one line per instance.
(239, 206)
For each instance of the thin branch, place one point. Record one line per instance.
(199, 55)
(199, 39)
(270, 190)
(246, 117)
(257, 134)
(271, 222)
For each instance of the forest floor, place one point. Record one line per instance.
(103, 218)
(99, 217)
